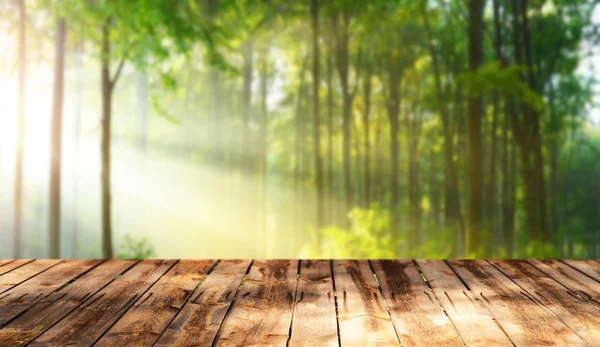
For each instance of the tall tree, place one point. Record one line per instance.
(330, 135)
(56, 149)
(316, 80)
(18, 193)
(453, 216)
(107, 85)
(341, 34)
(475, 56)
(534, 117)
(129, 32)
(367, 86)
(414, 121)
(263, 147)
(394, 78)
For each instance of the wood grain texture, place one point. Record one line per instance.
(57, 305)
(473, 322)
(589, 267)
(25, 272)
(86, 324)
(525, 321)
(418, 319)
(18, 299)
(292, 303)
(9, 266)
(200, 318)
(262, 312)
(579, 283)
(5, 261)
(573, 311)
(362, 314)
(144, 322)
(314, 321)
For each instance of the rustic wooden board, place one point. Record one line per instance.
(314, 319)
(362, 315)
(5, 261)
(149, 317)
(199, 320)
(57, 305)
(588, 267)
(23, 273)
(9, 266)
(471, 319)
(292, 303)
(86, 324)
(262, 312)
(574, 312)
(418, 319)
(526, 322)
(18, 299)
(580, 284)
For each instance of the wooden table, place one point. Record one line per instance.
(299, 303)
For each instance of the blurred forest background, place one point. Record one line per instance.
(284, 129)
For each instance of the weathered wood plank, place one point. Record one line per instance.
(475, 325)
(88, 322)
(262, 313)
(7, 267)
(588, 267)
(199, 320)
(149, 316)
(57, 305)
(526, 322)
(314, 321)
(577, 282)
(25, 272)
(5, 261)
(363, 317)
(18, 299)
(582, 318)
(418, 319)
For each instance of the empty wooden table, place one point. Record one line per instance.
(299, 303)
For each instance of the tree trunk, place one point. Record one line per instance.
(107, 89)
(330, 132)
(330, 143)
(377, 165)
(490, 214)
(474, 131)
(264, 123)
(367, 144)
(433, 189)
(18, 194)
(521, 130)
(342, 38)
(246, 150)
(453, 217)
(357, 198)
(414, 193)
(536, 141)
(78, 110)
(393, 115)
(316, 79)
(217, 152)
(298, 177)
(56, 150)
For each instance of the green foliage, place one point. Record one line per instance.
(492, 77)
(135, 249)
(369, 237)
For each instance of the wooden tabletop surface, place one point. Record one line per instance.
(299, 303)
